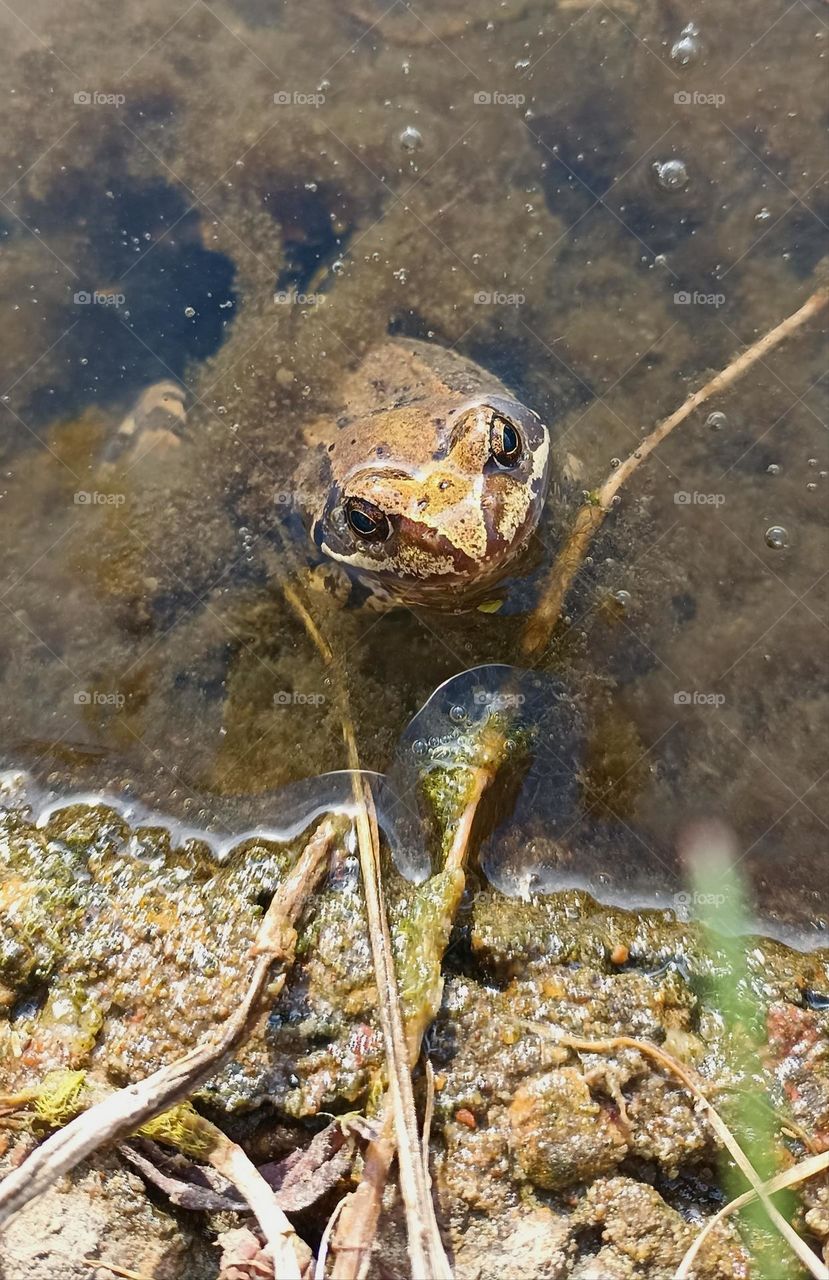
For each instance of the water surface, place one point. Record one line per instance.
(603, 204)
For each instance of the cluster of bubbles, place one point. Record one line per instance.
(448, 731)
(687, 48)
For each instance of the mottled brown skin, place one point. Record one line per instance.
(416, 446)
(449, 466)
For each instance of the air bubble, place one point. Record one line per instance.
(411, 139)
(773, 469)
(716, 421)
(671, 175)
(458, 714)
(777, 537)
(189, 312)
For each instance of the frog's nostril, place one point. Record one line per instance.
(443, 484)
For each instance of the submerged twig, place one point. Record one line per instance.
(591, 515)
(360, 1211)
(688, 1077)
(124, 1111)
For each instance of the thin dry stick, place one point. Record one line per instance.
(359, 1220)
(115, 1269)
(426, 1252)
(123, 1112)
(590, 516)
(798, 1173)
(304, 615)
(428, 1114)
(688, 1078)
(322, 1252)
(361, 1211)
(282, 1244)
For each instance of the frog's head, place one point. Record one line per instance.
(443, 523)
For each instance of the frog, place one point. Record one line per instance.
(424, 486)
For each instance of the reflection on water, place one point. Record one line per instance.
(599, 206)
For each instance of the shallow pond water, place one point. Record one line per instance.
(601, 203)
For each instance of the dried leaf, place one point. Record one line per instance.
(184, 1183)
(304, 1176)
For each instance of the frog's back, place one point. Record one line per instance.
(394, 406)
(406, 371)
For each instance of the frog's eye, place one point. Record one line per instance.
(367, 521)
(504, 441)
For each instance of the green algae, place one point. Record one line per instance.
(183, 1128)
(58, 1099)
(62, 1095)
